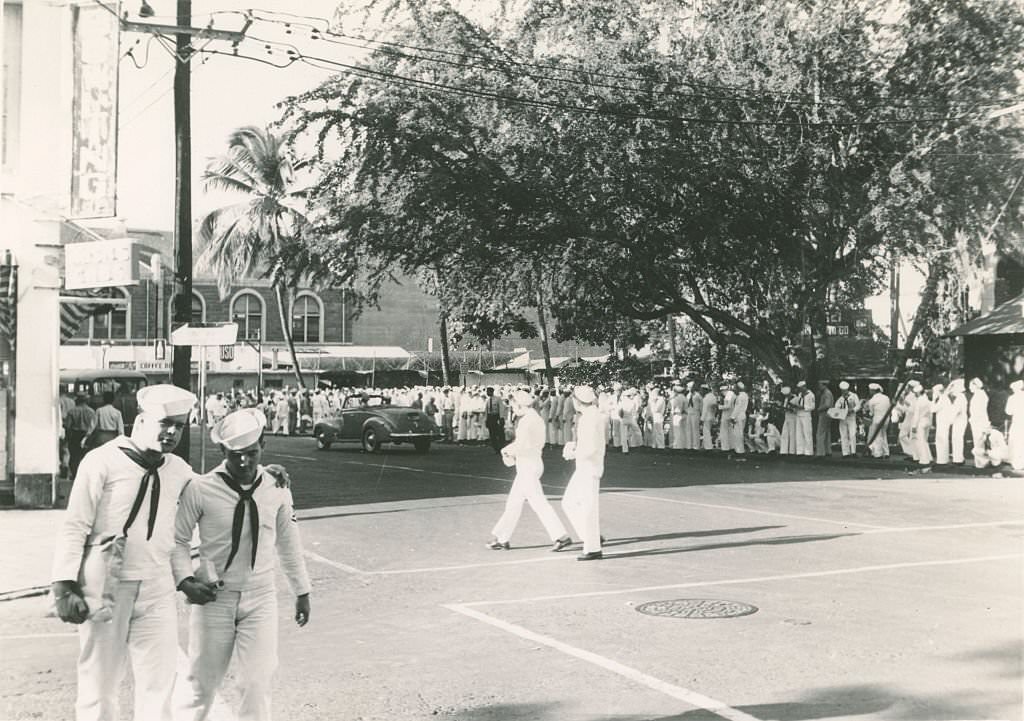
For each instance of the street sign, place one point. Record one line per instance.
(227, 353)
(204, 334)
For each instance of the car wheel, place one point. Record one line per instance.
(422, 445)
(371, 442)
(322, 443)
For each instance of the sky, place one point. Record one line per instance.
(227, 93)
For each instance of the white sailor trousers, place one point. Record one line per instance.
(145, 630)
(804, 434)
(848, 434)
(243, 622)
(526, 488)
(736, 433)
(580, 503)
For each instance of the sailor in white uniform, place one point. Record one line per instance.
(126, 489)
(525, 454)
(581, 499)
(247, 527)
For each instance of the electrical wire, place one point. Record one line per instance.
(295, 55)
(758, 95)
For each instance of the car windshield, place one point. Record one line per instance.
(365, 402)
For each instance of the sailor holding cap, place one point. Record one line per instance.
(126, 489)
(525, 453)
(580, 501)
(246, 526)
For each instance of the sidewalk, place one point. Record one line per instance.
(28, 537)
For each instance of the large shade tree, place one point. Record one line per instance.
(261, 234)
(748, 166)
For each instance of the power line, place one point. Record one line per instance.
(760, 95)
(295, 55)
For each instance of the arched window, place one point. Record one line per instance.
(248, 311)
(307, 318)
(197, 314)
(113, 325)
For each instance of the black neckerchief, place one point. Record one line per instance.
(244, 499)
(154, 498)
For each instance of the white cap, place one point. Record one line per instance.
(803, 384)
(584, 394)
(956, 386)
(976, 383)
(164, 400)
(1017, 385)
(785, 389)
(874, 387)
(522, 398)
(937, 387)
(741, 386)
(844, 386)
(915, 384)
(240, 429)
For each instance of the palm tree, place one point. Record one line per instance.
(250, 237)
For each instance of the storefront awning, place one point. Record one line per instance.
(1007, 319)
(344, 358)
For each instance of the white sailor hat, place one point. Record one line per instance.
(785, 389)
(803, 384)
(915, 385)
(741, 385)
(937, 387)
(584, 394)
(522, 398)
(240, 429)
(1017, 385)
(956, 386)
(874, 386)
(976, 383)
(165, 400)
(844, 386)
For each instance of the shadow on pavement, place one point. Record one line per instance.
(625, 540)
(779, 541)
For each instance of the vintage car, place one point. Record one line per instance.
(372, 421)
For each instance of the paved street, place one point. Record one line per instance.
(879, 595)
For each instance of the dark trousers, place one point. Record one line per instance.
(496, 429)
(75, 451)
(447, 423)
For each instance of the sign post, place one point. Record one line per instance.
(203, 335)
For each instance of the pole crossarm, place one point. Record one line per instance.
(233, 36)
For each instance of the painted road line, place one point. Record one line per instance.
(753, 579)
(952, 527)
(844, 524)
(335, 564)
(538, 559)
(697, 700)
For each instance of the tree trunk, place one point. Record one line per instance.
(549, 372)
(670, 326)
(446, 363)
(924, 309)
(286, 329)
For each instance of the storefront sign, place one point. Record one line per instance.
(102, 263)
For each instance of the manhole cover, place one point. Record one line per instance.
(697, 608)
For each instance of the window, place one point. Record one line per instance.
(197, 314)
(112, 325)
(247, 311)
(306, 319)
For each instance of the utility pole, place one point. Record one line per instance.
(181, 370)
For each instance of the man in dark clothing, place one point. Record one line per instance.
(495, 420)
(77, 424)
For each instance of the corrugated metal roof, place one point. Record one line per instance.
(1007, 319)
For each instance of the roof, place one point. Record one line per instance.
(92, 374)
(1006, 319)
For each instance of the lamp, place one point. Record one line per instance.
(146, 10)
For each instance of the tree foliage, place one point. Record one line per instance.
(748, 166)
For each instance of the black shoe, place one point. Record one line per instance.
(497, 545)
(592, 556)
(561, 543)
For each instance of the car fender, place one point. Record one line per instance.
(380, 426)
(327, 430)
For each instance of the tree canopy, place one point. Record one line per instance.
(748, 165)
